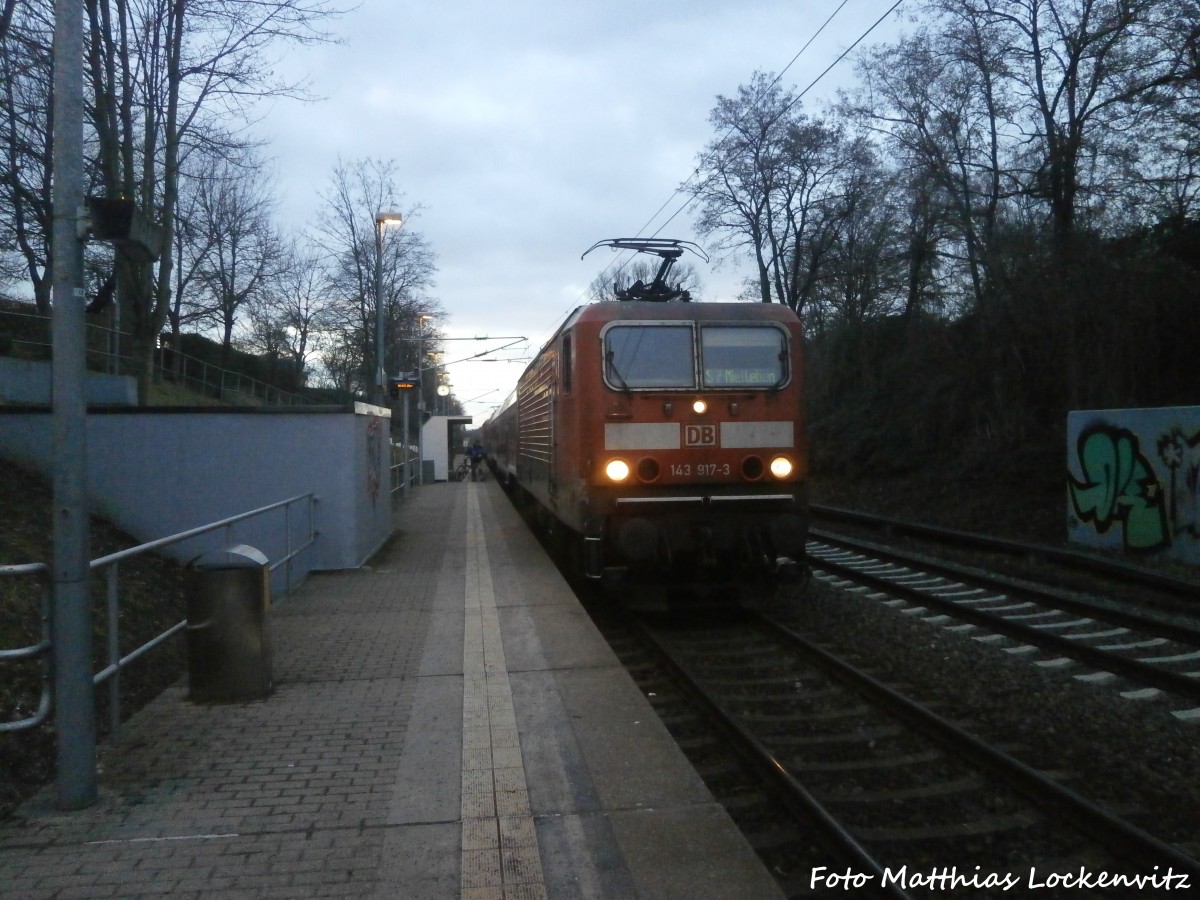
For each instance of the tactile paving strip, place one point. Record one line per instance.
(500, 859)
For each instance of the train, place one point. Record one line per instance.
(662, 439)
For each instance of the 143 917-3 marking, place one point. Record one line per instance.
(700, 469)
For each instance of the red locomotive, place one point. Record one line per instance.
(664, 437)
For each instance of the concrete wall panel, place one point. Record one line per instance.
(160, 472)
(1133, 481)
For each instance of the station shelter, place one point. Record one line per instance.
(441, 439)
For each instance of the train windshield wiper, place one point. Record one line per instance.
(612, 368)
(783, 371)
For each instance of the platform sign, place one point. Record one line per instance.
(402, 383)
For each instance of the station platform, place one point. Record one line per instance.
(445, 723)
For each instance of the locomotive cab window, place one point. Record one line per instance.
(743, 356)
(649, 356)
(567, 364)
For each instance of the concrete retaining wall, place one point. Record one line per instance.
(29, 381)
(156, 472)
(1133, 481)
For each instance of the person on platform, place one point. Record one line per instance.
(475, 456)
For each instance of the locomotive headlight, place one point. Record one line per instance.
(781, 467)
(699, 407)
(617, 470)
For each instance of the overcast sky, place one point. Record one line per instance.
(530, 130)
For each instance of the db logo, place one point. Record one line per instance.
(700, 435)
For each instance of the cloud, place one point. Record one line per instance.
(529, 131)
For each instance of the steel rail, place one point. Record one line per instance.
(1124, 838)
(1187, 588)
(795, 795)
(1163, 679)
(976, 577)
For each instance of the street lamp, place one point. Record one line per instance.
(382, 219)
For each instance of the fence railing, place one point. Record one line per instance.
(34, 651)
(110, 564)
(102, 355)
(213, 381)
(404, 469)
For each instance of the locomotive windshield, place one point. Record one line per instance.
(650, 356)
(664, 356)
(737, 356)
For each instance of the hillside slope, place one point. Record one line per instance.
(151, 601)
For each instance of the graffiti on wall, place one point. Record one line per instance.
(374, 455)
(1136, 474)
(1119, 487)
(1180, 455)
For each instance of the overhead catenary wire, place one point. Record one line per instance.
(753, 103)
(621, 261)
(794, 101)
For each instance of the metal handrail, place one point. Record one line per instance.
(219, 377)
(40, 649)
(110, 563)
(403, 473)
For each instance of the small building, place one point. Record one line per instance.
(441, 439)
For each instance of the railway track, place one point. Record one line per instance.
(1142, 654)
(1085, 571)
(938, 729)
(893, 795)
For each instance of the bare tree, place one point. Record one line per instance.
(357, 192)
(6, 16)
(864, 268)
(193, 244)
(233, 220)
(25, 213)
(762, 185)
(1079, 74)
(934, 98)
(288, 316)
(162, 73)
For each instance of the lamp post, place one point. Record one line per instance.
(421, 399)
(381, 219)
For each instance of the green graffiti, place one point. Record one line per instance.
(1118, 486)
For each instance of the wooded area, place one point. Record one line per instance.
(997, 225)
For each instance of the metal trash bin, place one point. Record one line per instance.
(228, 642)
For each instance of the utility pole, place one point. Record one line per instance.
(75, 712)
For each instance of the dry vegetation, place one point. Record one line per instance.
(1025, 502)
(151, 601)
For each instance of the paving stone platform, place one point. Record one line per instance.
(445, 723)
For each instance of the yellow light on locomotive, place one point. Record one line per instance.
(617, 470)
(781, 467)
(699, 407)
